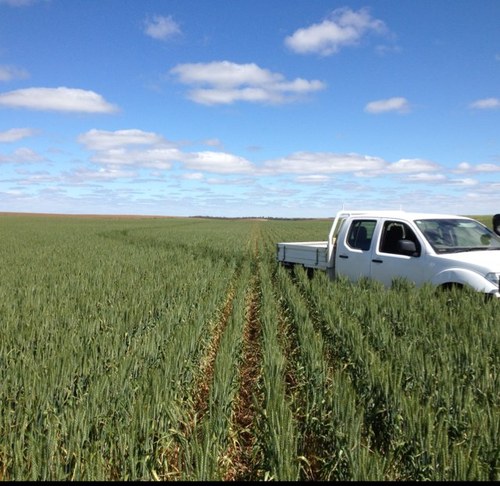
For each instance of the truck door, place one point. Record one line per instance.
(390, 260)
(354, 252)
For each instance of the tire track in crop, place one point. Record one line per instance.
(175, 456)
(237, 461)
(206, 373)
(240, 466)
(240, 456)
(303, 365)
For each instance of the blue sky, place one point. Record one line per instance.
(280, 108)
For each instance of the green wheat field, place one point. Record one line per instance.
(144, 348)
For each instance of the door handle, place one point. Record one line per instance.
(376, 260)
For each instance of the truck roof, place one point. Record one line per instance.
(397, 214)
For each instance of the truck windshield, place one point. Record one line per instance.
(457, 235)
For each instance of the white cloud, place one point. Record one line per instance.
(225, 74)
(412, 165)
(161, 27)
(487, 168)
(20, 156)
(343, 28)
(215, 96)
(426, 177)
(157, 158)
(224, 82)
(397, 104)
(120, 148)
(463, 167)
(313, 179)
(16, 134)
(194, 176)
(464, 182)
(36, 178)
(105, 140)
(57, 99)
(324, 163)
(466, 167)
(218, 162)
(316, 165)
(8, 73)
(118, 152)
(486, 104)
(105, 173)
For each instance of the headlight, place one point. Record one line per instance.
(493, 278)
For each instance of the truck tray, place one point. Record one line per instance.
(310, 254)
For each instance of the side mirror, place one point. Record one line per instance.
(496, 224)
(407, 247)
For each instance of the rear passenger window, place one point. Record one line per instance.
(360, 234)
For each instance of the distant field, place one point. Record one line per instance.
(148, 348)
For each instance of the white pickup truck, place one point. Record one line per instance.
(445, 250)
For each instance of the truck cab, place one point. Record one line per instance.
(444, 250)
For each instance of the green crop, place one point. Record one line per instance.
(178, 349)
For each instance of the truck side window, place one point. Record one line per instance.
(395, 231)
(360, 234)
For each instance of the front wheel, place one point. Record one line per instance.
(451, 286)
